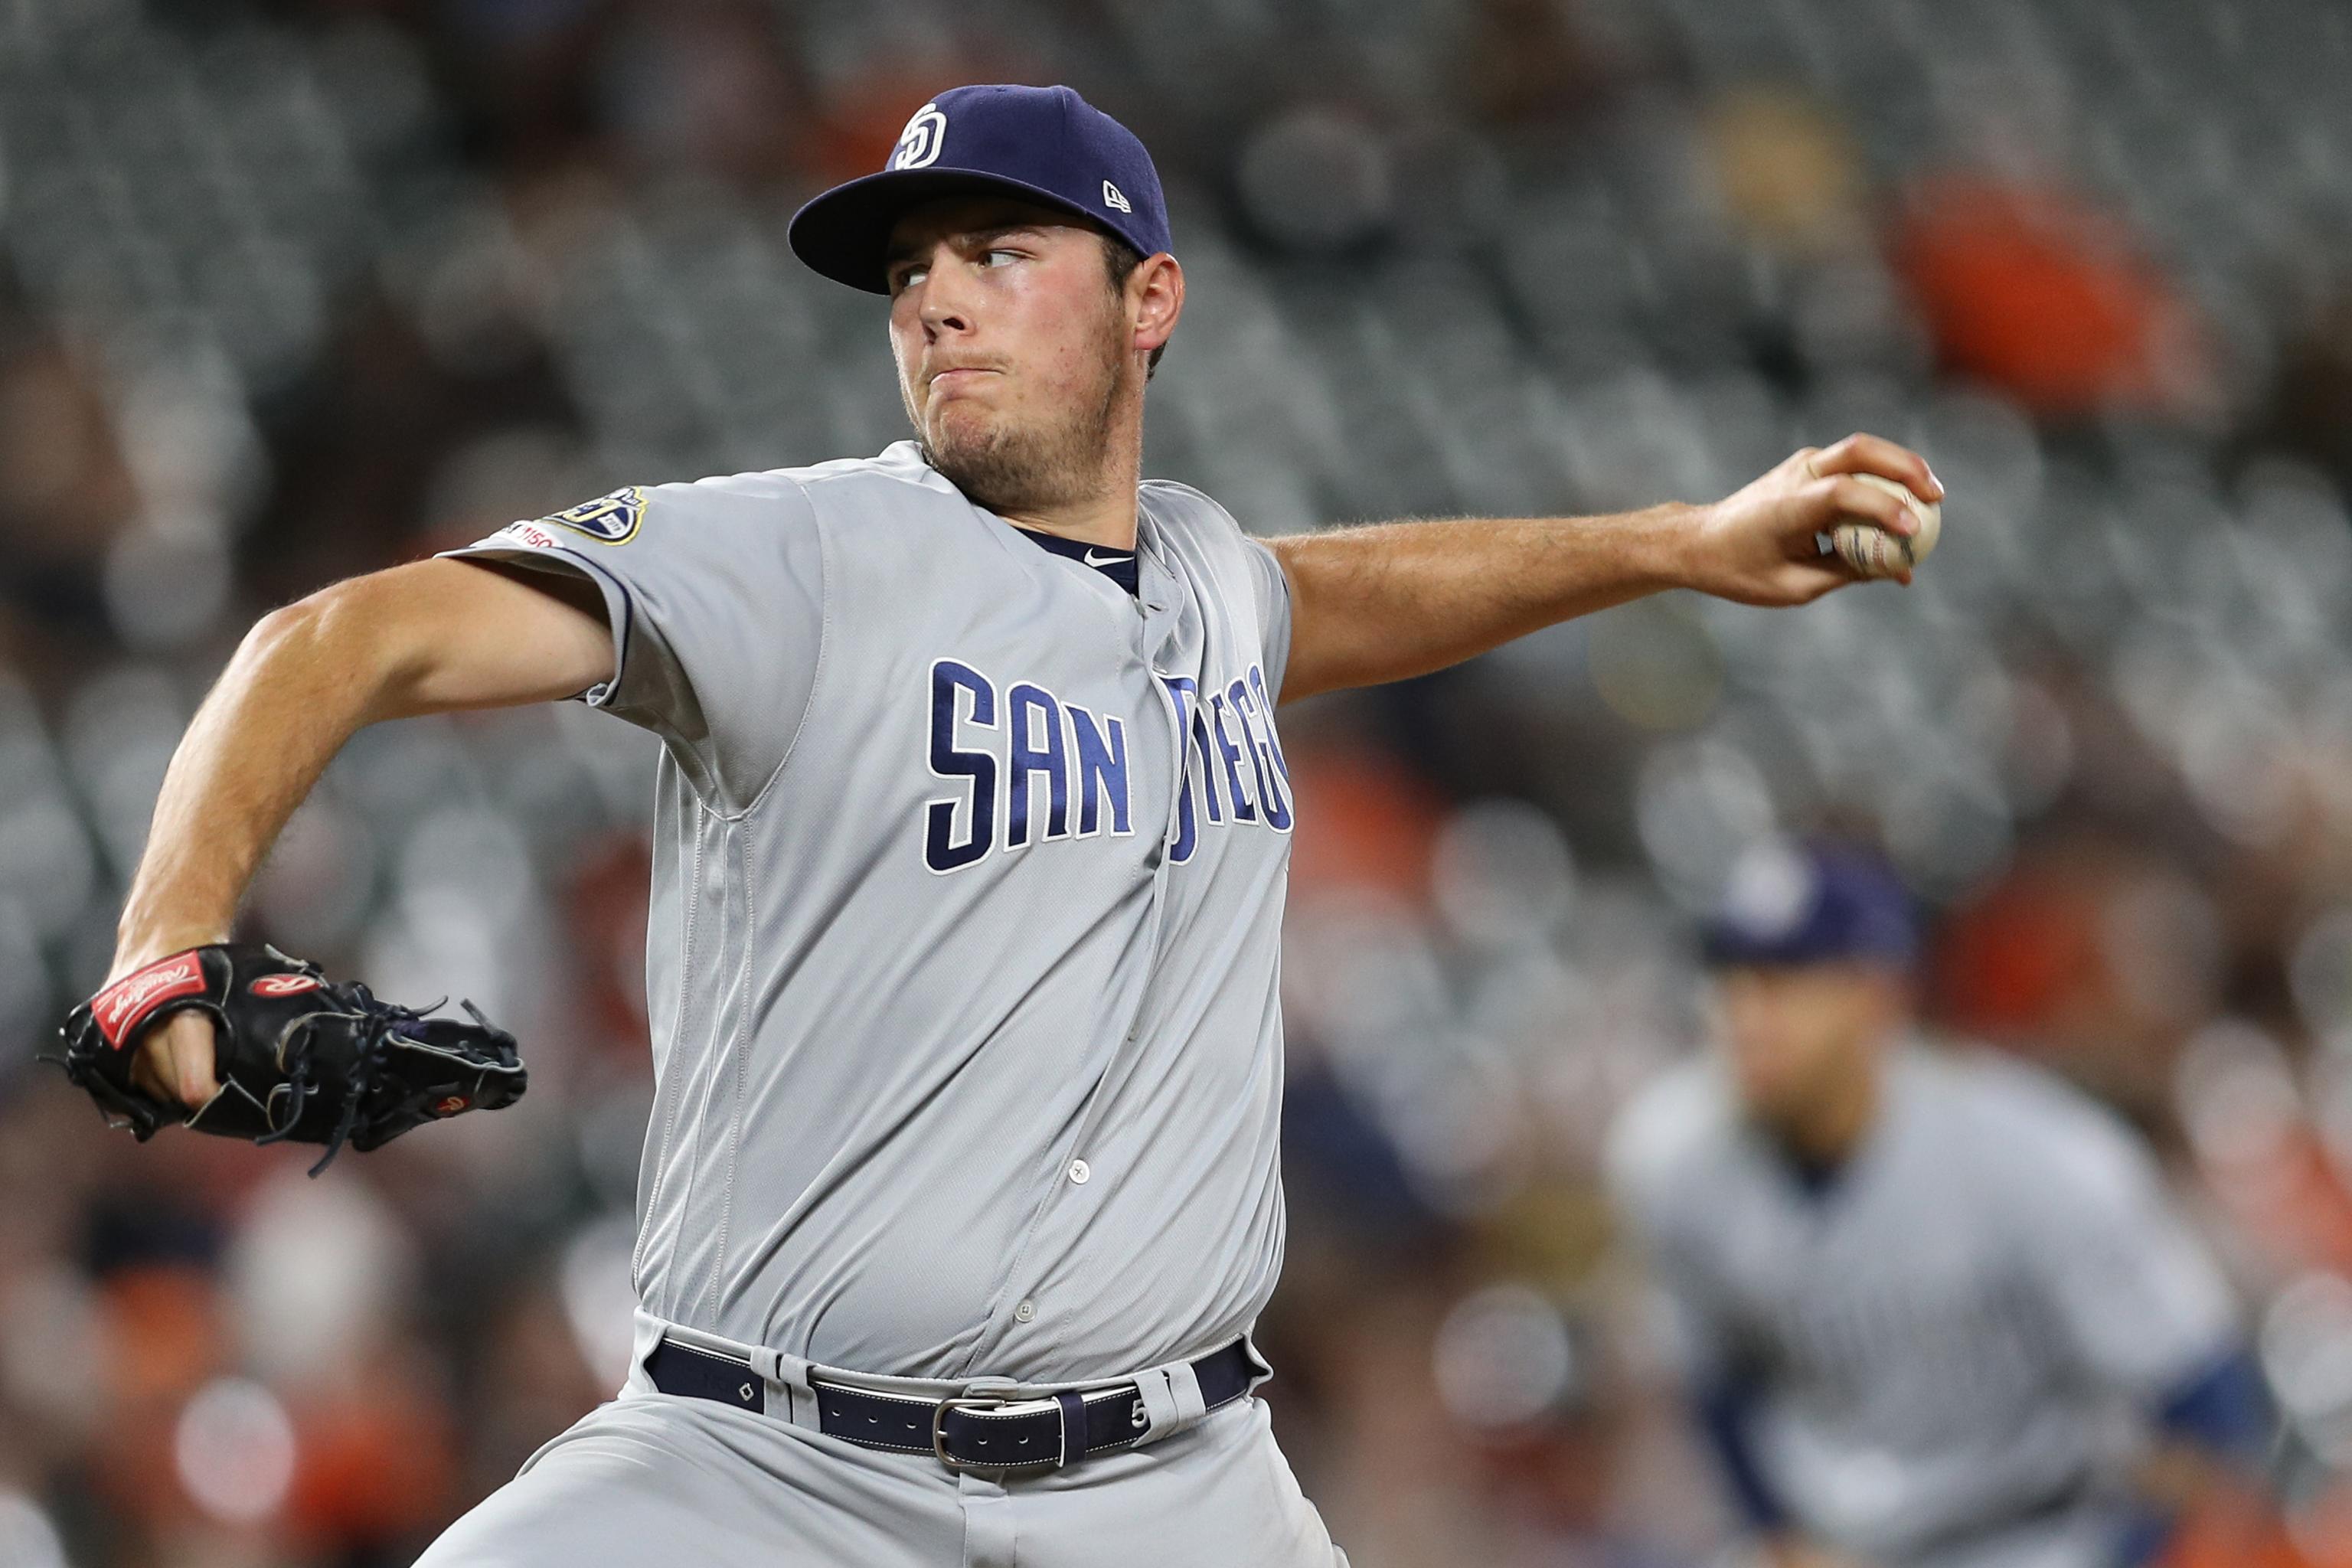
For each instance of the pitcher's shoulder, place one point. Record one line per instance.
(777, 486)
(896, 476)
(1186, 504)
(893, 485)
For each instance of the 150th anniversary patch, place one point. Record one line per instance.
(608, 519)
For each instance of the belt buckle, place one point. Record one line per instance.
(939, 1427)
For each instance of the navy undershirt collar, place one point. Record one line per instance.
(1119, 565)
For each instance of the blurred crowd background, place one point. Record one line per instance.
(292, 291)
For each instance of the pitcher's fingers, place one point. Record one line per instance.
(1863, 453)
(150, 1072)
(1831, 501)
(190, 1038)
(1802, 582)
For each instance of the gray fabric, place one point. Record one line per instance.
(2085, 1536)
(717, 599)
(878, 1069)
(649, 1481)
(1942, 1336)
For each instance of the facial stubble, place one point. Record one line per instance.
(1007, 464)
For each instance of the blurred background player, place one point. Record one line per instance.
(1911, 1286)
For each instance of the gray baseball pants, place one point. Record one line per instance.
(650, 1480)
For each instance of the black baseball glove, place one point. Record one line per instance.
(298, 1057)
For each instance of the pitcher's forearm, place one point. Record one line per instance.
(299, 686)
(1369, 605)
(1396, 600)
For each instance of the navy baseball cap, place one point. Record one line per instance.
(1786, 904)
(1044, 143)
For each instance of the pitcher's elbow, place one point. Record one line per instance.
(340, 631)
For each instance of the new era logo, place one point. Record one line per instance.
(1112, 198)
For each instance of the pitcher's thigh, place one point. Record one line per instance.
(634, 1485)
(1227, 1499)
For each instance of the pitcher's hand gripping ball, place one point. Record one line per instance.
(1870, 551)
(299, 1057)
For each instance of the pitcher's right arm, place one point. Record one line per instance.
(431, 636)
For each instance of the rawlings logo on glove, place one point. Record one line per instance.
(137, 995)
(298, 1057)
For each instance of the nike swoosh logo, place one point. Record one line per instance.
(1094, 560)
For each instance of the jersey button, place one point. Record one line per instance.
(1026, 1311)
(1079, 1172)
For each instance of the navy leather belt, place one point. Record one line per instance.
(972, 1431)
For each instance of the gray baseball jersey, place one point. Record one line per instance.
(1940, 1336)
(963, 952)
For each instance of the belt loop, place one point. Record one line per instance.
(1263, 1368)
(1074, 1426)
(788, 1375)
(1186, 1382)
(1171, 1400)
(1159, 1403)
(645, 1335)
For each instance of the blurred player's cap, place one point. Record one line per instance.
(1044, 143)
(1789, 904)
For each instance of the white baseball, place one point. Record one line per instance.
(1871, 549)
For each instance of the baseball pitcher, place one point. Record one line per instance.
(1933, 1308)
(959, 1194)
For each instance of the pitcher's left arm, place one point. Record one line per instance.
(1394, 600)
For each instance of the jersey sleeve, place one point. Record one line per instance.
(1273, 593)
(715, 592)
(2139, 1303)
